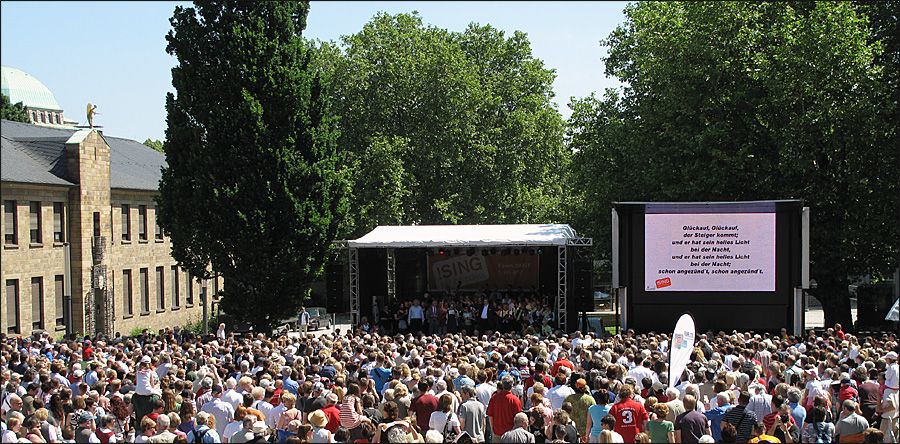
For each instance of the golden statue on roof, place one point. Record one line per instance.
(91, 111)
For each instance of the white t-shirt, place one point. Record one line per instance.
(439, 419)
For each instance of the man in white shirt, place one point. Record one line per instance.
(221, 410)
(231, 395)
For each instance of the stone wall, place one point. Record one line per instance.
(24, 261)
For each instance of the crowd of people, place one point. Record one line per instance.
(466, 312)
(510, 387)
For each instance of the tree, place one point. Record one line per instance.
(445, 127)
(155, 144)
(749, 101)
(15, 112)
(252, 188)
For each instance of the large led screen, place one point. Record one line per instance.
(709, 252)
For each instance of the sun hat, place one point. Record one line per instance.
(318, 419)
(259, 428)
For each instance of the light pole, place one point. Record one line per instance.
(205, 310)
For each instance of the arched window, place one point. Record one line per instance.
(34, 117)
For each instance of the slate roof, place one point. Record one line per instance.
(36, 154)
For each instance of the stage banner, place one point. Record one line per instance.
(681, 348)
(460, 271)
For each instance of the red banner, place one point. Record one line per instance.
(452, 271)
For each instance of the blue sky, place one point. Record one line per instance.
(113, 53)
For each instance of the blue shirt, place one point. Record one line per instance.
(463, 380)
(798, 413)
(715, 418)
(211, 435)
(291, 386)
(597, 413)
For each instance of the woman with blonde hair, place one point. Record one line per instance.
(402, 399)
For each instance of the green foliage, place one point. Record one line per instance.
(138, 331)
(155, 144)
(445, 127)
(253, 186)
(195, 326)
(15, 112)
(747, 101)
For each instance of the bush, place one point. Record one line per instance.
(195, 326)
(137, 331)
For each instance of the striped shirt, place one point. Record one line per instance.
(350, 417)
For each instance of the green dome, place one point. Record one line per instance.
(21, 87)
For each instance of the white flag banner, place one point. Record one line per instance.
(682, 345)
(894, 314)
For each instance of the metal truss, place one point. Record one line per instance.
(354, 287)
(561, 300)
(391, 276)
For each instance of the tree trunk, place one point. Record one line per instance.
(835, 299)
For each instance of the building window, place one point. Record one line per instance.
(37, 303)
(142, 222)
(12, 306)
(57, 119)
(34, 219)
(159, 231)
(33, 117)
(176, 302)
(59, 287)
(160, 289)
(11, 223)
(96, 224)
(59, 222)
(190, 290)
(43, 117)
(145, 291)
(126, 223)
(127, 298)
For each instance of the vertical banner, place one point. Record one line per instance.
(682, 345)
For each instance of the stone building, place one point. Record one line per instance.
(80, 191)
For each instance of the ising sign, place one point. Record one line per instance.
(472, 272)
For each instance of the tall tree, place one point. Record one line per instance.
(445, 127)
(253, 186)
(746, 101)
(15, 112)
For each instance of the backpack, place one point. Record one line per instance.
(821, 435)
(198, 436)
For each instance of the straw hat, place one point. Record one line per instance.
(318, 419)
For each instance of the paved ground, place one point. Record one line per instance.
(341, 321)
(815, 316)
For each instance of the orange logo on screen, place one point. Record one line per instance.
(660, 283)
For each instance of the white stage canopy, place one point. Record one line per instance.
(426, 236)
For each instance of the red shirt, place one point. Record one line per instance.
(561, 363)
(423, 407)
(502, 409)
(87, 353)
(544, 380)
(334, 418)
(630, 416)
